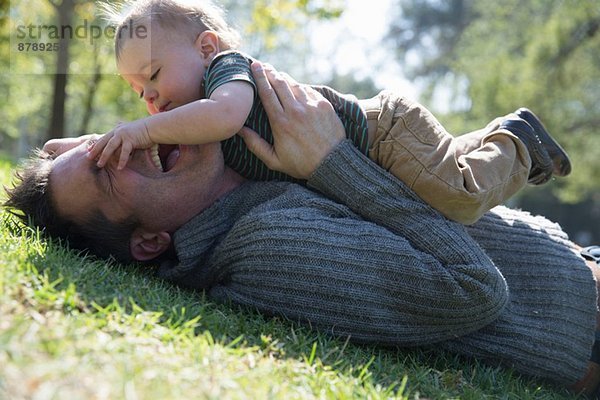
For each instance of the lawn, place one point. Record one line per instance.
(75, 327)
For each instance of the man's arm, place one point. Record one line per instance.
(61, 145)
(408, 278)
(412, 267)
(309, 144)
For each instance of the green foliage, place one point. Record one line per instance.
(28, 79)
(269, 26)
(363, 89)
(278, 31)
(430, 29)
(75, 327)
(498, 56)
(271, 21)
(545, 56)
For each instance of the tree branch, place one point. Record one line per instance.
(580, 36)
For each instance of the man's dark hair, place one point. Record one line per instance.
(30, 199)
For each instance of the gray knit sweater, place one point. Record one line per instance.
(381, 266)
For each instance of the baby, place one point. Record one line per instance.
(180, 58)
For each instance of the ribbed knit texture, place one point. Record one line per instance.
(406, 277)
(547, 329)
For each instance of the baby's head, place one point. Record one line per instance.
(163, 48)
(185, 17)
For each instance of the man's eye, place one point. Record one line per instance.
(109, 185)
(154, 75)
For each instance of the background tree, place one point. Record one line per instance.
(487, 57)
(64, 11)
(432, 30)
(493, 57)
(347, 83)
(4, 63)
(276, 31)
(89, 96)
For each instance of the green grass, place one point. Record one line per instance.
(74, 327)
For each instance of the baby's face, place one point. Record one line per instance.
(163, 66)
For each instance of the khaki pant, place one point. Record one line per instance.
(462, 177)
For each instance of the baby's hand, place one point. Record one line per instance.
(128, 136)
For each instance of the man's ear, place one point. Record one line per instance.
(207, 44)
(145, 246)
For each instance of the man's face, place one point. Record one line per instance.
(159, 200)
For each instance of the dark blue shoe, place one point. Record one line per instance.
(560, 160)
(591, 253)
(541, 163)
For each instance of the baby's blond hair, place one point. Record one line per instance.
(189, 17)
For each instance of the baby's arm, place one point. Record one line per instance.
(202, 121)
(205, 121)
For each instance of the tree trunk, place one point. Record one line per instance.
(91, 93)
(57, 119)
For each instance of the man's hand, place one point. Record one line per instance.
(128, 136)
(305, 126)
(61, 145)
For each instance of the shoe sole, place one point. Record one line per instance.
(563, 166)
(541, 164)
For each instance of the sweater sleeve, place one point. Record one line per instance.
(397, 273)
(351, 178)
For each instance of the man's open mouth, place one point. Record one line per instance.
(164, 156)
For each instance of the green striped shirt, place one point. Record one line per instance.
(234, 66)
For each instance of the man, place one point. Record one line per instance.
(374, 263)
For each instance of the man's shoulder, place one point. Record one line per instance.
(259, 203)
(294, 202)
(259, 214)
